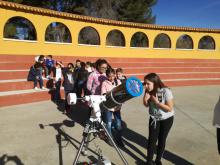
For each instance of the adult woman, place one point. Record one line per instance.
(159, 99)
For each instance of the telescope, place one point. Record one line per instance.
(131, 88)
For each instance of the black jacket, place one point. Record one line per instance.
(33, 73)
(67, 84)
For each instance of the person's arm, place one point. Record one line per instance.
(90, 82)
(103, 88)
(168, 106)
(146, 98)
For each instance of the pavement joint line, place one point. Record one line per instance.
(197, 123)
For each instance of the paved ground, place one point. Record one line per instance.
(40, 134)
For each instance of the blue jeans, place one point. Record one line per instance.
(108, 120)
(40, 81)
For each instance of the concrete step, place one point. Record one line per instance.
(130, 70)
(72, 58)
(22, 74)
(25, 96)
(20, 66)
(14, 89)
(21, 84)
(180, 76)
(192, 82)
(13, 74)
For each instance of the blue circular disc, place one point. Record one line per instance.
(134, 86)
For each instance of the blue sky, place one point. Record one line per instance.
(188, 13)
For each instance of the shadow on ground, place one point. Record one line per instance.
(80, 113)
(7, 159)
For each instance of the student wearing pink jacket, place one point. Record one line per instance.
(96, 78)
(107, 86)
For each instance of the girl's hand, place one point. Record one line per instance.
(146, 96)
(154, 99)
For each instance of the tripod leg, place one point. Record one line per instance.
(79, 150)
(115, 146)
(86, 144)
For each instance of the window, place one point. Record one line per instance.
(206, 42)
(139, 39)
(115, 38)
(19, 28)
(89, 36)
(184, 42)
(162, 41)
(58, 32)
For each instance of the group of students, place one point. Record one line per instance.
(99, 79)
(157, 97)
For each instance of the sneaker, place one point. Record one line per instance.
(43, 88)
(36, 88)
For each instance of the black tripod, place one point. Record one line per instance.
(95, 126)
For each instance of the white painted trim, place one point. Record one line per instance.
(22, 70)
(116, 47)
(163, 48)
(58, 43)
(184, 49)
(147, 48)
(213, 50)
(13, 80)
(89, 45)
(17, 40)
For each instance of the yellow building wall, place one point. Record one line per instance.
(40, 22)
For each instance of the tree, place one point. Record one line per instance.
(123, 10)
(139, 11)
(136, 11)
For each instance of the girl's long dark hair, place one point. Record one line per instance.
(109, 71)
(154, 78)
(99, 62)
